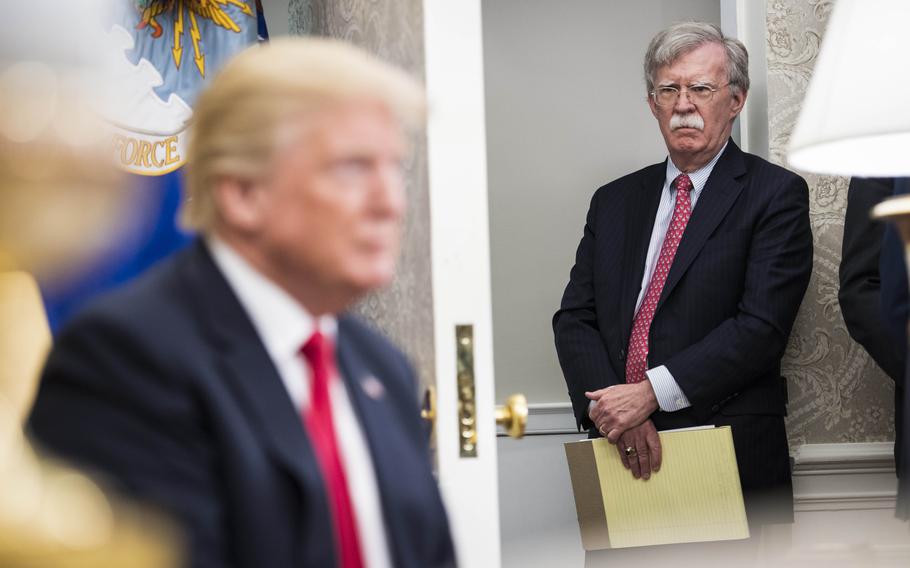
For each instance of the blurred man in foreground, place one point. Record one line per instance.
(227, 385)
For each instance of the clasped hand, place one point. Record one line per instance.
(620, 413)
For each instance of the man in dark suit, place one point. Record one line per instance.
(688, 278)
(226, 385)
(861, 289)
(895, 304)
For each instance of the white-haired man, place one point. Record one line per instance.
(226, 385)
(688, 279)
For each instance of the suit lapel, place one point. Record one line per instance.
(638, 217)
(366, 392)
(248, 371)
(718, 195)
(259, 386)
(374, 412)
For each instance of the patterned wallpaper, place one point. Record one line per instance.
(392, 29)
(837, 393)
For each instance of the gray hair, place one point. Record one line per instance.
(679, 39)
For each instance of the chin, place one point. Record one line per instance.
(374, 278)
(689, 144)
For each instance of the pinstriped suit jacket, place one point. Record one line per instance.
(726, 310)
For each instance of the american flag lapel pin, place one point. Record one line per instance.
(372, 387)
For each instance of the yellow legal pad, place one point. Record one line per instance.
(695, 497)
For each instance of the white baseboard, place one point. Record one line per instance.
(837, 477)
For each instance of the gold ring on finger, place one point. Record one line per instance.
(630, 452)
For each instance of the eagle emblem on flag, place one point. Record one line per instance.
(186, 16)
(163, 53)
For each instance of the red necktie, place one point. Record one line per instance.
(319, 353)
(637, 358)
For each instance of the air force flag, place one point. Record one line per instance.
(161, 54)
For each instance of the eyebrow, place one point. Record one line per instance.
(693, 83)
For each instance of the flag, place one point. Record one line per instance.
(162, 53)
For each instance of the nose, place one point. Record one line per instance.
(388, 192)
(683, 104)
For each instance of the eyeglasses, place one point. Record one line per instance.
(698, 94)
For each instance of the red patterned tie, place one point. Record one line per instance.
(319, 353)
(637, 358)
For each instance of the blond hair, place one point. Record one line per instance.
(237, 119)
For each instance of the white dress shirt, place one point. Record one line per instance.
(669, 396)
(284, 326)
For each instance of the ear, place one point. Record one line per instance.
(241, 204)
(737, 101)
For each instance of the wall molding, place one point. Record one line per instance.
(540, 408)
(844, 458)
(848, 476)
(550, 419)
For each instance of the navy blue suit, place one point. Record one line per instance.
(894, 298)
(867, 255)
(724, 315)
(165, 388)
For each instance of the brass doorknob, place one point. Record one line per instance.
(513, 416)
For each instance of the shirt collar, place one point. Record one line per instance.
(700, 176)
(283, 324)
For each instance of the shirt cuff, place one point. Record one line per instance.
(669, 396)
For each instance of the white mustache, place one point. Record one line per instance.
(691, 120)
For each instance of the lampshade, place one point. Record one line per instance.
(855, 118)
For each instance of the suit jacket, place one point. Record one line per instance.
(863, 294)
(894, 298)
(165, 388)
(724, 315)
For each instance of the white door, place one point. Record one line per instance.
(461, 270)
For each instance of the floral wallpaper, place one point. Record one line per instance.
(393, 30)
(837, 393)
